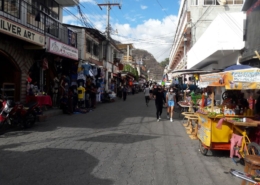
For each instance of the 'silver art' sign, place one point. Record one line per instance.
(16, 30)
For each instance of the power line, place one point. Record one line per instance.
(163, 9)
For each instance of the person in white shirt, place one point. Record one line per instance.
(147, 95)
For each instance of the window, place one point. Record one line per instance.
(209, 2)
(52, 27)
(49, 7)
(11, 7)
(238, 1)
(194, 2)
(55, 10)
(89, 44)
(96, 50)
(1, 5)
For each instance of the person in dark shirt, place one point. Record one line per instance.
(159, 101)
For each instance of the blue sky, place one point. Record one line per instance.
(148, 24)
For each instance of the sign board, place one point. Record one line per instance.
(234, 80)
(115, 69)
(213, 79)
(14, 29)
(109, 67)
(243, 79)
(62, 49)
(204, 129)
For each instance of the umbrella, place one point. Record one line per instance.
(237, 67)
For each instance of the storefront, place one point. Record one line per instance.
(18, 47)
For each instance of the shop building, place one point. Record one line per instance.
(25, 30)
(250, 54)
(99, 54)
(194, 19)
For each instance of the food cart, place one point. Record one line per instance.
(218, 125)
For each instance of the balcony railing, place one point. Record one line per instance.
(31, 17)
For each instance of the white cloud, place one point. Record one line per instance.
(143, 7)
(153, 35)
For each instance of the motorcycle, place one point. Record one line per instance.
(18, 114)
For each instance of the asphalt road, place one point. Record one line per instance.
(118, 143)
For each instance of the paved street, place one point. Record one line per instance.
(119, 143)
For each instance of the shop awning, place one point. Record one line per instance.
(189, 71)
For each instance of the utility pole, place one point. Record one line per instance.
(109, 6)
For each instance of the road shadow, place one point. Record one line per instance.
(119, 138)
(48, 166)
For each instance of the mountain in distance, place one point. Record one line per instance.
(150, 63)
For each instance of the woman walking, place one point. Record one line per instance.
(159, 101)
(170, 99)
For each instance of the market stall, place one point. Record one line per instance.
(225, 126)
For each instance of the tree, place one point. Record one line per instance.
(165, 62)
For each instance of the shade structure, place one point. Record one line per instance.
(237, 67)
(191, 71)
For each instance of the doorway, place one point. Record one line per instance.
(10, 77)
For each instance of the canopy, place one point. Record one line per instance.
(189, 71)
(237, 67)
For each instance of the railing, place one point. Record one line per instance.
(31, 17)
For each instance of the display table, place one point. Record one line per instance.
(43, 100)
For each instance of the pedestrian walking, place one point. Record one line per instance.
(170, 99)
(125, 90)
(147, 95)
(159, 101)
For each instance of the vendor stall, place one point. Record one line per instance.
(226, 126)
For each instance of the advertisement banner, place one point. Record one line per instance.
(61, 49)
(213, 79)
(243, 79)
(72, 38)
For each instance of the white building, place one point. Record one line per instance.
(209, 33)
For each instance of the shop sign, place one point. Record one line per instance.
(61, 49)
(204, 129)
(213, 79)
(18, 31)
(109, 67)
(115, 69)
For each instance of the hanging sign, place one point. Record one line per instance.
(61, 49)
(213, 79)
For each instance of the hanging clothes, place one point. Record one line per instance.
(86, 67)
(81, 76)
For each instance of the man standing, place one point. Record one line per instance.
(147, 95)
(159, 101)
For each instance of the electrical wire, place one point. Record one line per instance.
(163, 9)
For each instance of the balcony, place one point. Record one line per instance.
(127, 59)
(31, 17)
